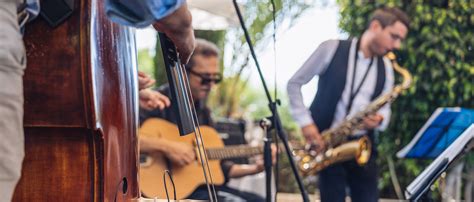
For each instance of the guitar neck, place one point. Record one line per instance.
(233, 152)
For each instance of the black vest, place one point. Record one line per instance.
(332, 82)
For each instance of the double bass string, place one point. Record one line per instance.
(200, 144)
(177, 76)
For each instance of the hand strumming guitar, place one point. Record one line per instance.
(179, 153)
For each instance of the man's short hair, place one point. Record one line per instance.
(389, 15)
(204, 48)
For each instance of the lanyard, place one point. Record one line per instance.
(352, 93)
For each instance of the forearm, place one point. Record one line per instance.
(241, 170)
(178, 23)
(298, 110)
(178, 27)
(316, 64)
(153, 144)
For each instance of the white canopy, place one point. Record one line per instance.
(207, 15)
(213, 14)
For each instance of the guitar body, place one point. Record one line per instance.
(187, 178)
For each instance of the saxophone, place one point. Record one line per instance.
(338, 148)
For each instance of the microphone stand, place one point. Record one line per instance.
(275, 124)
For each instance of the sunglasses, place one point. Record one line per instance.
(207, 78)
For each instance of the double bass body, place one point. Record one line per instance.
(80, 110)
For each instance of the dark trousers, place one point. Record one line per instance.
(225, 193)
(361, 180)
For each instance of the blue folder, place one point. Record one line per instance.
(441, 129)
(462, 145)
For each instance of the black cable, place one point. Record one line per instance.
(167, 172)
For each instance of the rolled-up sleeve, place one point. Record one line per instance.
(316, 64)
(140, 13)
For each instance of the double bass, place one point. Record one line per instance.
(81, 106)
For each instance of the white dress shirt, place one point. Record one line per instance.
(317, 64)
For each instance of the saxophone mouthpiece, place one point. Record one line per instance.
(390, 55)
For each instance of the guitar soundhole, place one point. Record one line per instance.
(124, 185)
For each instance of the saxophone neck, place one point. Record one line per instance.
(407, 77)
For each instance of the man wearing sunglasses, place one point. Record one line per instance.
(203, 73)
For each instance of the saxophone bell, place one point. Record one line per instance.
(311, 162)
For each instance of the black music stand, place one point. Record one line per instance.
(445, 136)
(464, 143)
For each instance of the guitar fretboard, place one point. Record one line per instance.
(233, 152)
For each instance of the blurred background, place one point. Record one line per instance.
(438, 52)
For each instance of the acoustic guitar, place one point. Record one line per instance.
(186, 178)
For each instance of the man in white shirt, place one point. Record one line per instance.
(352, 73)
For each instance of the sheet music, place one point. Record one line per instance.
(439, 165)
(402, 153)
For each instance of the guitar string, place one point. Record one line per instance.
(207, 162)
(233, 152)
(200, 144)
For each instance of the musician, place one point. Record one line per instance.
(351, 74)
(172, 18)
(204, 74)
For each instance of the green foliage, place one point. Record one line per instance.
(215, 36)
(159, 63)
(145, 61)
(438, 52)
